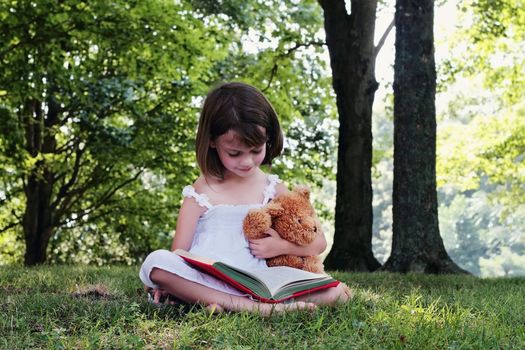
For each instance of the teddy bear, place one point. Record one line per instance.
(293, 217)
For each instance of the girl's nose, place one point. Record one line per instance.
(246, 161)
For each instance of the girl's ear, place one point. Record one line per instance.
(213, 144)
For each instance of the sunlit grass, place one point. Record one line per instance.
(94, 308)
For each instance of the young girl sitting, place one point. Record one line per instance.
(238, 132)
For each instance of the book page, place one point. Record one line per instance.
(279, 276)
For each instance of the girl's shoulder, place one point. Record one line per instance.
(195, 191)
(200, 185)
(205, 191)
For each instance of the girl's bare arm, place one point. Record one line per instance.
(189, 215)
(274, 245)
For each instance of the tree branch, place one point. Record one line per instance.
(73, 195)
(64, 189)
(381, 41)
(101, 214)
(288, 53)
(105, 197)
(11, 225)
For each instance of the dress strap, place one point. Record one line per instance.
(201, 198)
(269, 191)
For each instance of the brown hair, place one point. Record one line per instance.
(243, 109)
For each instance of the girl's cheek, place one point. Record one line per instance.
(260, 157)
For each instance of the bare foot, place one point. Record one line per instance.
(269, 309)
(340, 294)
(348, 293)
(214, 309)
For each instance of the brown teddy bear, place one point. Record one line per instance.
(290, 214)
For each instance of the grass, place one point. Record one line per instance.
(63, 307)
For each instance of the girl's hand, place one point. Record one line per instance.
(268, 247)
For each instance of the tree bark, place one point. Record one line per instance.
(350, 40)
(38, 221)
(417, 244)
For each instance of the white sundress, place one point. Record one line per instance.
(218, 235)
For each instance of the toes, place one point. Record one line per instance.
(347, 293)
(301, 305)
(214, 308)
(295, 306)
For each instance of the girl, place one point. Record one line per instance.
(238, 132)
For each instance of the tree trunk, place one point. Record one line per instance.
(416, 244)
(350, 40)
(38, 221)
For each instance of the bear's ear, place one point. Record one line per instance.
(275, 209)
(303, 191)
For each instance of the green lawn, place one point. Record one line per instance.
(104, 308)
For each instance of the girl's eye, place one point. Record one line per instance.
(257, 151)
(234, 154)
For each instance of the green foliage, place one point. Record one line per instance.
(490, 148)
(118, 73)
(126, 80)
(495, 33)
(281, 51)
(481, 205)
(480, 173)
(88, 307)
(480, 139)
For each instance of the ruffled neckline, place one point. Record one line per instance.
(203, 200)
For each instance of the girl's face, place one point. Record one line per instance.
(237, 158)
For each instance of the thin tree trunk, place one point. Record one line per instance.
(350, 40)
(417, 244)
(38, 223)
(37, 220)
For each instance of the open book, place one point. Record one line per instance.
(271, 285)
